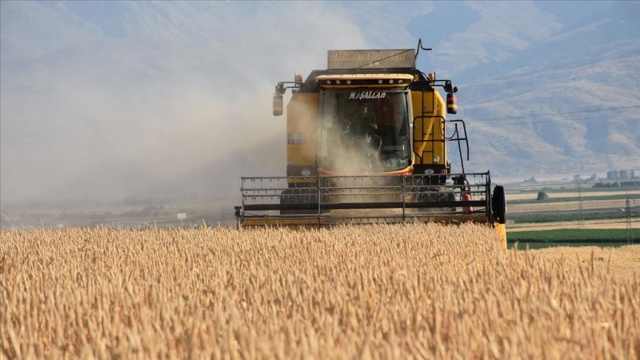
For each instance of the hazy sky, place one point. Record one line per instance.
(104, 99)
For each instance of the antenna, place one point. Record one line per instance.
(420, 47)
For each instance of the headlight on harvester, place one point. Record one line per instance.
(305, 172)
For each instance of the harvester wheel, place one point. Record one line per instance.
(499, 205)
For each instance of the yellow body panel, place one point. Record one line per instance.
(501, 229)
(302, 129)
(430, 127)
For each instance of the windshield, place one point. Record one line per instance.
(364, 131)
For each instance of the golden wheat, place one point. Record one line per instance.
(402, 291)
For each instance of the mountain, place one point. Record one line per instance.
(546, 88)
(111, 99)
(568, 103)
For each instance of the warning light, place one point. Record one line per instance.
(452, 106)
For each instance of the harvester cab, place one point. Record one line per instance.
(367, 142)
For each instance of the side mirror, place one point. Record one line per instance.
(277, 105)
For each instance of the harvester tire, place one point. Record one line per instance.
(499, 205)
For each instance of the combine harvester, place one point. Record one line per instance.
(367, 143)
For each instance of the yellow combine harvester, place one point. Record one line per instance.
(367, 143)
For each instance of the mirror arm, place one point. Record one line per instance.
(282, 87)
(446, 85)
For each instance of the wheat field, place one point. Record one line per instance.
(385, 291)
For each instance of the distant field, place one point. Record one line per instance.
(532, 195)
(520, 202)
(571, 209)
(402, 291)
(591, 203)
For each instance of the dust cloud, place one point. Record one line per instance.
(158, 111)
(349, 148)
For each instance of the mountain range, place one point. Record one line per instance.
(106, 99)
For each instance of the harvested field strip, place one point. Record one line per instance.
(402, 291)
(622, 197)
(568, 205)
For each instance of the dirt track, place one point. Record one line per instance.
(533, 196)
(588, 224)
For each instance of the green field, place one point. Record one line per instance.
(574, 235)
(573, 217)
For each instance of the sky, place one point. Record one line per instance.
(104, 100)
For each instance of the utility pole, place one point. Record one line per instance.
(580, 209)
(627, 209)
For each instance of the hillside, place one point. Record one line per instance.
(546, 88)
